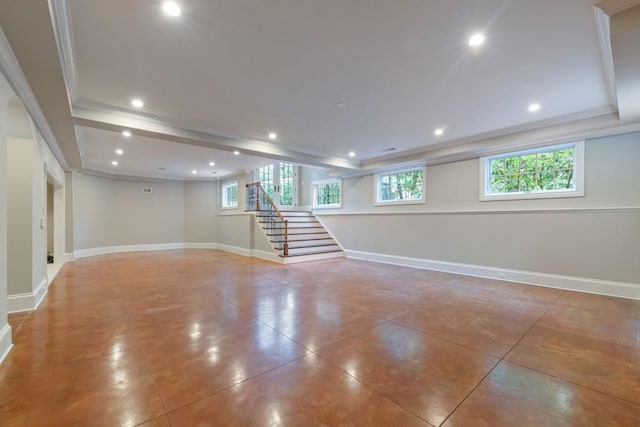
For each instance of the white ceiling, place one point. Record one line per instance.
(143, 156)
(227, 72)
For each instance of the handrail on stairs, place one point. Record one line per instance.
(259, 201)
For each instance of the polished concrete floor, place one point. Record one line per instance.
(207, 338)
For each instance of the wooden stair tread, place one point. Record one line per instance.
(302, 240)
(309, 246)
(298, 234)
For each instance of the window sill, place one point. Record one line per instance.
(400, 203)
(531, 196)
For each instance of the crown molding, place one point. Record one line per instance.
(596, 127)
(603, 25)
(62, 29)
(151, 128)
(611, 7)
(12, 71)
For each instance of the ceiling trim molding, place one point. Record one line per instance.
(611, 7)
(142, 178)
(512, 132)
(12, 71)
(82, 104)
(61, 19)
(81, 147)
(603, 25)
(606, 125)
(143, 126)
(107, 175)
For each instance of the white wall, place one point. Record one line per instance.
(109, 212)
(19, 219)
(200, 209)
(596, 236)
(5, 329)
(29, 163)
(69, 180)
(49, 218)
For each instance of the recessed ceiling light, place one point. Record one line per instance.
(237, 153)
(341, 104)
(533, 108)
(212, 164)
(137, 102)
(114, 163)
(162, 169)
(273, 135)
(126, 133)
(171, 8)
(194, 172)
(476, 40)
(438, 132)
(119, 152)
(352, 153)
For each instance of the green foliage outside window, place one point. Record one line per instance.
(403, 186)
(230, 195)
(533, 172)
(286, 184)
(327, 194)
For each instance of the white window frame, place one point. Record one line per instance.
(223, 199)
(377, 187)
(578, 173)
(314, 195)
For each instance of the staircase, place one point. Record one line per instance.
(295, 236)
(307, 239)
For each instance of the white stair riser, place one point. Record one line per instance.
(296, 251)
(296, 244)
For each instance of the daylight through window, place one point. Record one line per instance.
(230, 195)
(401, 187)
(548, 172)
(327, 194)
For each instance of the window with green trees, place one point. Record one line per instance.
(230, 195)
(327, 193)
(400, 187)
(548, 172)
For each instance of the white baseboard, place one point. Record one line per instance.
(70, 256)
(53, 270)
(233, 249)
(5, 341)
(82, 253)
(580, 284)
(27, 301)
(200, 246)
(40, 292)
(269, 256)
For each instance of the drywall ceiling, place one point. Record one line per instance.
(329, 77)
(155, 158)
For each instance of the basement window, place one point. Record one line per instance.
(230, 195)
(556, 171)
(327, 193)
(401, 187)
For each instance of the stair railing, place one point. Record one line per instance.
(272, 220)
